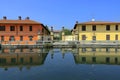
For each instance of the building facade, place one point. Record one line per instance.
(21, 31)
(56, 34)
(69, 38)
(97, 31)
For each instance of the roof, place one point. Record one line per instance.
(18, 22)
(97, 23)
(26, 21)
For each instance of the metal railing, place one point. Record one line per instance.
(23, 42)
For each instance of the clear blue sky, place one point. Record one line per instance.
(58, 13)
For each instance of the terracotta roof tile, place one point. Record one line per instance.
(18, 22)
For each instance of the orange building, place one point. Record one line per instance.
(21, 31)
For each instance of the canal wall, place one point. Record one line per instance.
(68, 44)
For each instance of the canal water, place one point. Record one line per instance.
(60, 64)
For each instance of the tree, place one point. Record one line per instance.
(67, 32)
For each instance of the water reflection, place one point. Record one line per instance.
(22, 57)
(97, 56)
(60, 64)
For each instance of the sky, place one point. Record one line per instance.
(59, 13)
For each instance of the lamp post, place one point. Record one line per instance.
(63, 34)
(51, 34)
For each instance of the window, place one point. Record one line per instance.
(21, 28)
(94, 27)
(30, 38)
(21, 38)
(30, 28)
(2, 28)
(42, 30)
(12, 28)
(12, 38)
(116, 27)
(116, 37)
(107, 37)
(83, 37)
(93, 37)
(2, 38)
(83, 28)
(107, 27)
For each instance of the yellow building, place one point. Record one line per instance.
(69, 38)
(97, 31)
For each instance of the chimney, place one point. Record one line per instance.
(76, 22)
(4, 17)
(27, 18)
(19, 18)
(62, 28)
(52, 29)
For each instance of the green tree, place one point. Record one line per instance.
(66, 32)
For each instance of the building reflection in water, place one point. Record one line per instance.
(97, 56)
(22, 57)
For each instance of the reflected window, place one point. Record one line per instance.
(21, 50)
(83, 59)
(107, 60)
(107, 49)
(2, 61)
(31, 60)
(116, 49)
(31, 50)
(116, 60)
(21, 60)
(83, 49)
(94, 59)
(13, 60)
(2, 38)
(93, 49)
